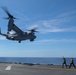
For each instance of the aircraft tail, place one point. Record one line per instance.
(2, 33)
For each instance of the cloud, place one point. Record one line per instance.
(53, 26)
(59, 24)
(71, 14)
(57, 41)
(56, 29)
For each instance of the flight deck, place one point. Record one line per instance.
(23, 69)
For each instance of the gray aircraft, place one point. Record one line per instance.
(19, 35)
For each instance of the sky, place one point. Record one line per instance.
(56, 25)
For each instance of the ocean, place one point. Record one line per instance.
(35, 60)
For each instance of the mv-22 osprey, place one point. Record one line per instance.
(19, 35)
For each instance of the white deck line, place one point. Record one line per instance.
(8, 68)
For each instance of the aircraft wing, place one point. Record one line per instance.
(16, 29)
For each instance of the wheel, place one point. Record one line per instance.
(31, 40)
(19, 41)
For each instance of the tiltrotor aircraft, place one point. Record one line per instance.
(19, 35)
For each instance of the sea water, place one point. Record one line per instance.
(35, 60)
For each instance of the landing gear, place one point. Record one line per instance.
(31, 40)
(19, 41)
(8, 32)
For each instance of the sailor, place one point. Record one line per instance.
(64, 63)
(72, 63)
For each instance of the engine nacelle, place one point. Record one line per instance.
(32, 39)
(10, 24)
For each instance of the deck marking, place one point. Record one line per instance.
(8, 68)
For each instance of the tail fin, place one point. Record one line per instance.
(3, 34)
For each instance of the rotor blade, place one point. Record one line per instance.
(7, 12)
(33, 30)
(6, 18)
